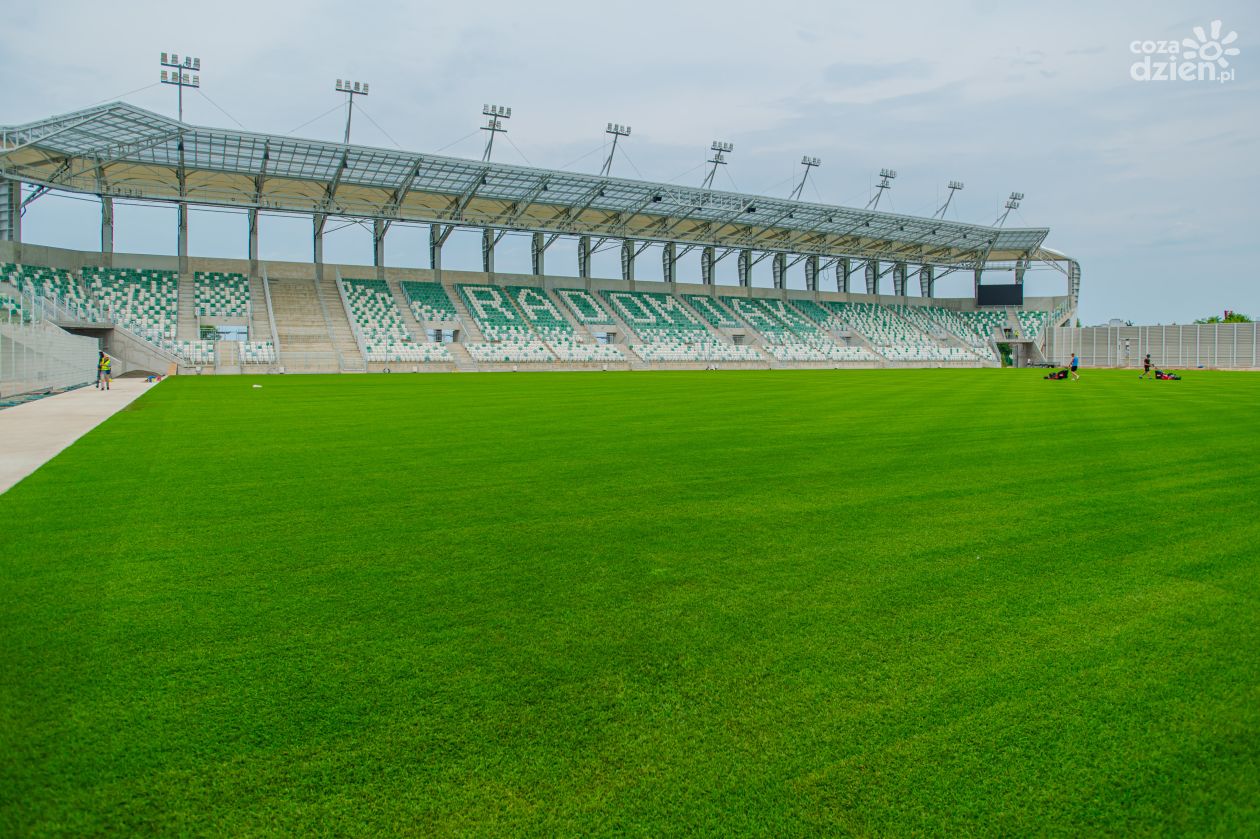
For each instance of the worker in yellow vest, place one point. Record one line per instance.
(107, 365)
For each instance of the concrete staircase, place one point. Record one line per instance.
(305, 343)
(470, 333)
(339, 329)
(463, 361)
(186, 325)
(259, 322)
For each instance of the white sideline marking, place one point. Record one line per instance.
(33, 433)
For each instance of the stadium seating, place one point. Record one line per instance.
(509, 337)
(380, 326)
(894, 337)
(712, 311)
(1031, 322)
(429, 302)
(584, 306)
(554, 329)
(220, 295)
(258, 352)
(143, 300)
(199, 353)
(790, 335)
(669, 332)
(55, 283)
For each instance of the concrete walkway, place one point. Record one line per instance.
(32, 433)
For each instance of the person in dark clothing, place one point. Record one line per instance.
(1146, 366)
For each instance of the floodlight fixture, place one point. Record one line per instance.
(722, 146)
(809, 163)
(720, 149)
(953, 187)
(617, 130)
(351, 89)
(888, 174)
(496, 114)
(886, 177)
(184, 73)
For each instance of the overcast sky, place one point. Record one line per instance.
(1152, 185)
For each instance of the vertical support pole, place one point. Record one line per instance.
(378, 247)
(779, 270)
(899, 278)
(927, 281)
(435, 251)
(976, 282)
(708, 261)
(317, 222)
(811, 273)
(10, 211)
(538, 255)
(252, 216)
(627, 260)
(872, 276)
(844, 274)
(1021, 265)
(745, 268)
(584, 257)
(182, 238)
(669, 262)
(107, 230)
(487, 250)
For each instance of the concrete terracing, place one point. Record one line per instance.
(34, 432)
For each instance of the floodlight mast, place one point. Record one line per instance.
(1012, 203)
(886, 177)
(617, 130)
(954, 186)
(809, 163)
(179, 77)
(496, 114)
(351, 90)
(720, 149)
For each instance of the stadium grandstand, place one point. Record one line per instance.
(211, 315)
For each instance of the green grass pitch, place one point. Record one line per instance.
(779, 603)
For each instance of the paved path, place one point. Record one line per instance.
(32, 433)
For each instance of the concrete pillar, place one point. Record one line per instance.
(252, 216)
(317, 241)
(872, 276)
(844, 273)
(584, 257)
(378, 247)
(10, 211)
(899, 278)
(487, 250)
(976, 282)
(1021, 265)
(107, 229)
(811, 273)
(669, 262)
(538, 254)
(435, 251)
(779, 270)
(745, 268)
(927, 281)
(708, 261)
(182, 238)
(627, 259)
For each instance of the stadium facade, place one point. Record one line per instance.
(215, 315)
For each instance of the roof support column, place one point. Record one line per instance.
(1021, 265)
(538, 254)
(107, 230)
(10, 211)
(378, 247)
(708, 261)
(669, 262)
(779, 268)
(927, 281)
(744, 266)
(976, 282)
(900, 272)
(317, 229)
(253, 243)
(1074, 281)
(584, 257)
(811, 272)
(627, 260)
(487, 250)
(182, 238)
(436, 240)
(872, 276)
(844, 273)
